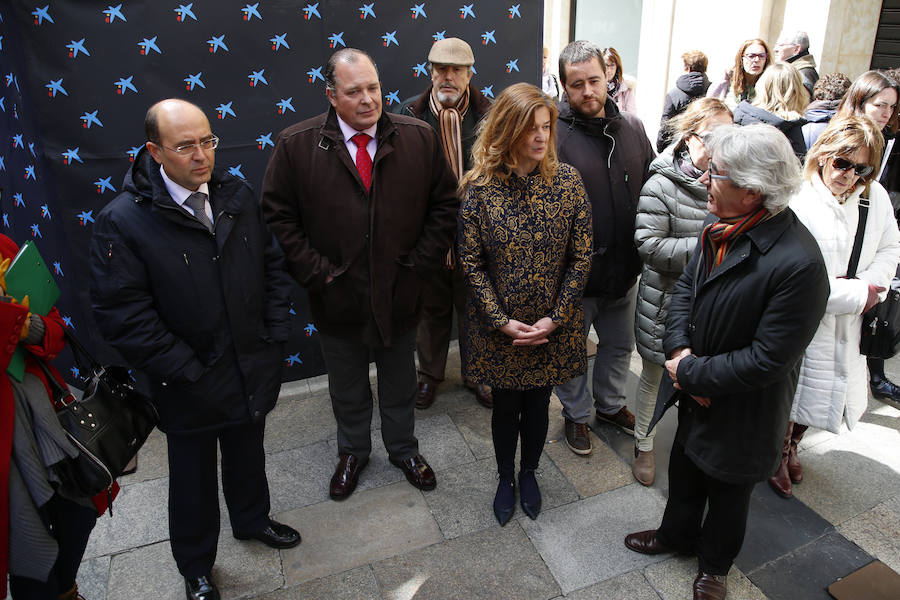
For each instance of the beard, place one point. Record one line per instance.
(448, 96)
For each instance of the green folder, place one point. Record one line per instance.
(28, 275)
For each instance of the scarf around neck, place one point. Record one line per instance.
(450, 121)
(718, 237)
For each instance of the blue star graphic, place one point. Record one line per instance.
(257, 77)
(488, 91)
(85, 217)
(311, 10)
(487, 37)
(45, 212)
(389, 37)
(29, 173)
(278, 41)
(514, 11)
(418, 10)
(466, 11)
(183, 11)
(68, 321)
(149, 45)
(217, 42)
(250, 11)
(392, 97)
(57, 268)
(438, 36)
(75, 372)
(293, 359)
(310, 329)
(103, 184)
(236, 171)
(31, 148)
(124, 84)
(36, 231)
(315, 74)
(89, 118)
(40, 14)
(2, 164)
(17, 141)
(18, 200)
(264, 140)
(76, 47)
(225, 109)
(336, 38)
(114, 12)
(512, 65)
(132, 154)
(54, 87)
(193, 80)
(6, 220)
(71, 155)
(285, 105)
(419, 69)
(367, 10)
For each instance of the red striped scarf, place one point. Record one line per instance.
(718, 237)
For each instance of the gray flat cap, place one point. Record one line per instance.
(451, 51)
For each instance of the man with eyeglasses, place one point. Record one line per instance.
(794, 49)
(188, 285)
(744, 309)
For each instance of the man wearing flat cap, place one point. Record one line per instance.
(453, 106)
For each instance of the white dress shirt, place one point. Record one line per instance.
(180, 194)
(349, 132)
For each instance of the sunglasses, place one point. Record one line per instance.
(842, 164)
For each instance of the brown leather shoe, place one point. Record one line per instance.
(624, 420)
(346, 476)
(417, 472)
(644, 467)
(781, 480)
(425, 395)
(578, 438)
(482, 394)
(645, 542)
(709, 587)
(795, 469)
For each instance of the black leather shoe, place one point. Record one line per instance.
(885, 389)
(505, 500)
(417, 472)
(200, 588)
(425, 395)
(276, 535)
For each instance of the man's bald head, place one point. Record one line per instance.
(170, 105)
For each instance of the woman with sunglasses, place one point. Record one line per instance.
(670, 216)
(752, 58)
(875, 95)
(840, 169)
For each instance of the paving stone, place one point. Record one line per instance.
(629, 586)
(882, 412)
(293, 390)
(242, 570)
(600, 471)
(582, 542)
(92, 578)
(474, 423)
(300, 422)
(777, 526)
(466, 496)
(806, 572)
(300, 476)
(153, 460)
(673, 579)
(356, 584)
(441, 443)
(877, 531)
(495, 563)
(851, 473)
(368, 526)
(318, 383)
(140, 517)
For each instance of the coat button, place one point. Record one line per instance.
(256, 413)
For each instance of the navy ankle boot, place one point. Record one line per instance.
(529, 493)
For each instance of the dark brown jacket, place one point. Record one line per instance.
(375, 244)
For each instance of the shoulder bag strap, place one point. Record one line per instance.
(858, 240)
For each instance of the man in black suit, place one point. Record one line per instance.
(188, 284)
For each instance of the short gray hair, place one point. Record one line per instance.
(347, 55)
(577, 52)
(758, 158)
(798, 38)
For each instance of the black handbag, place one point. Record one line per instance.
(108, 424)
(880, 333)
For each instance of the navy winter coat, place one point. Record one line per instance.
(203, 315)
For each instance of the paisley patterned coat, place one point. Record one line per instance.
(525, 248)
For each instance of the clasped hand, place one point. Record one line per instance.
(672, 368)
(529, 335)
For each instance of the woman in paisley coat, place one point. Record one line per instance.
(525, 248)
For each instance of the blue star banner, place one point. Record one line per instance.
(77, 76)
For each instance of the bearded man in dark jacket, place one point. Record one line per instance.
(611, 151)
(688, 87)
(453, 107)
(188, 285)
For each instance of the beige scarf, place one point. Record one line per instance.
(450, 120)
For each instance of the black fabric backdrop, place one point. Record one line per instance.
(78, 76)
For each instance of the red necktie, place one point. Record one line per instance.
(363, 160)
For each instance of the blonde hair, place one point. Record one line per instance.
(508, 121)
(687, 122)
(842, 137)
(780, 91)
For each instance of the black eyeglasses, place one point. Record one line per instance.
(842, 164)
(751, 56)
(712, 171)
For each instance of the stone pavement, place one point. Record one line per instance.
(391, 541)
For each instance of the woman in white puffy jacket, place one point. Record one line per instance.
(841, 168)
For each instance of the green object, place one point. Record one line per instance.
(28, 275)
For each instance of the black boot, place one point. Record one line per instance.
(884, 389)
(505, 499)
(529, 493)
